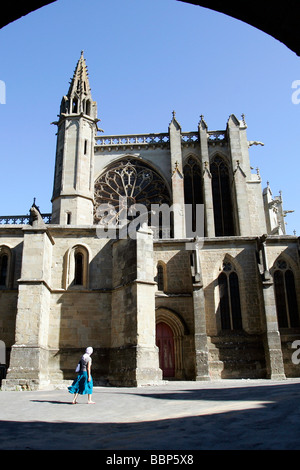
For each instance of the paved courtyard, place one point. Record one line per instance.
(229, 414)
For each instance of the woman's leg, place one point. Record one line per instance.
(75, 398)
(90, 402)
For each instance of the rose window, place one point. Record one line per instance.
(125, 186)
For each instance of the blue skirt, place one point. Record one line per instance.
(81, 384)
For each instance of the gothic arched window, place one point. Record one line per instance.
(285, 295)
(88, 107)
(75, 105)
(161, 276)
(78, 277)
(230, 305)
(3, 269)
(76, 271)
(192, 188)
(221, 197)
(5, 261)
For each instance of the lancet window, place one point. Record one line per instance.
(161, 276)
(76, 267)
(78, 277)
(5, 259)
(222, 202)
(230, 305)
(75, 105)
(3, 269)
(193, 192)
(285, 295)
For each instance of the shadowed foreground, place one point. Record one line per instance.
(225, 415)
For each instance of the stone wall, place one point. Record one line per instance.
(133, 355)
(48, 322)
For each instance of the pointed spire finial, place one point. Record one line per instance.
(202, 124)
(174, 121)
(79, 100)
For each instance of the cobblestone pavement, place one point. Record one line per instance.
(228, 415)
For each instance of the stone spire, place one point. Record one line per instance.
(73, 189)
(79, 98)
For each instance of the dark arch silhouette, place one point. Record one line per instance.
(13, 11)
(278, 19)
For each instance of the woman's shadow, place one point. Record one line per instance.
(54, 402)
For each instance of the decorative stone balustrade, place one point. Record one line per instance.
(131, 140)
(21, 219)
(216, 136)
(189, 137)
(144, 140)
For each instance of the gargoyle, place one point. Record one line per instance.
(36, 220)
(254, 142)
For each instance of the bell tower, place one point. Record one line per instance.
(73, 189)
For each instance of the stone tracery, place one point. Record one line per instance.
(124, 185)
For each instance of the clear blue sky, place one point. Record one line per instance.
(145, 58)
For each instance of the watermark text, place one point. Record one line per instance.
(122, 221)
(296, 354)
(296, 93)
(2, 92)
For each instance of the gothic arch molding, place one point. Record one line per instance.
(69, 272)
(218, 153)
(179, 329)
(191, 155)
(289, 260)
(137, 159)
(173, 319)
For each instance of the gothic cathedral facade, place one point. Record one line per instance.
(209, 292)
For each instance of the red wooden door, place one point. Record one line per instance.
(165, 343)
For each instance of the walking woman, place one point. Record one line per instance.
(83, 384)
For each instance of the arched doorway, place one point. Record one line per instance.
(170, 331)
(165, 344)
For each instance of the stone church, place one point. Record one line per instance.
(209, 292)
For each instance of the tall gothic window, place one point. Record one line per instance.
(76, 268)
(75, 105)
(230, 305)
(78, 277)
(3, 269)
(285, 295)
(221, 197)
(161, 277)
(88, 107)
(5, 262)
(192, 188)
